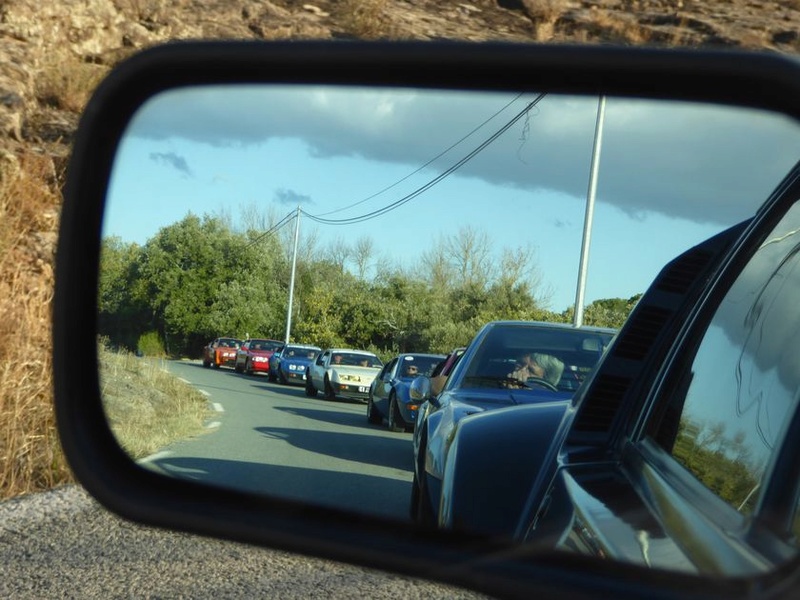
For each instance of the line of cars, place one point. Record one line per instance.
(282, 363)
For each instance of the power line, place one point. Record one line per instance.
(427, 164)
(283, 222)
(432, 182)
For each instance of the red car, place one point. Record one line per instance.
(253, 356)
(221, 352)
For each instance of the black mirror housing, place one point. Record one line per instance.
(500, 568)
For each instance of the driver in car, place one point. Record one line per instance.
(537, 365)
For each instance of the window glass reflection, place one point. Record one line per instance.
(742, 386)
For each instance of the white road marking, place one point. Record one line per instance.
(154, 457)
(205, 393)
(218, 407)
(213, 424)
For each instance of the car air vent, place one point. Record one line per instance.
(682, 272)
(637, 337)
(600, 406)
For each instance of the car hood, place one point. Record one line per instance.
(495, 398)
(364, 373)
(295, 361)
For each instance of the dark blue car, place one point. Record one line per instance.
(388, 394)
(289, 365)
(508, 363)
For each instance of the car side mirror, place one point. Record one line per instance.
(200, 115)
(420, 389)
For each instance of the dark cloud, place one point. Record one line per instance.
(706, 164)
(172, 160)
(292, 198)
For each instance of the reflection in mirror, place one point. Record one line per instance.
(385, 220)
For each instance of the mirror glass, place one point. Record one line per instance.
(386, 221)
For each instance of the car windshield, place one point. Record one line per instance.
(523, 356)
(299, 352)
(355, 359)
(418, 364)
(265, 345)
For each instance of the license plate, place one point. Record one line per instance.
(362, 389)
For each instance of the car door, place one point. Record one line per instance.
(704, 477)
(317, 369)
(383, 386)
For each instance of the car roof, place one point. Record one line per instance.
(554, 325)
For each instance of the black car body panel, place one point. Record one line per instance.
(493, 464)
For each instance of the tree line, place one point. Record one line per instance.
(201, 278)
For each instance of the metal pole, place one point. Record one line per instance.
(587, 221)
(291, 280)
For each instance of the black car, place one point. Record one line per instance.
(492, 374)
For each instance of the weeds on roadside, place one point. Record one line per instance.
(147, 407)
(30, 453)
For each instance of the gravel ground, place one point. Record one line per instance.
(62, 544)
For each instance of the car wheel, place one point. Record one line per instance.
(395, 420)
(311, 391)
(282, 378)
(425, 515)
(329, 393)
(206, 364)
(373, 416)
(271, 376)
(421, 509)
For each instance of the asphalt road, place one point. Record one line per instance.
(273, 439)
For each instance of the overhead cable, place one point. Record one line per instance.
(432, 182)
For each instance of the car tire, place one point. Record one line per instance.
(329, 393)
(373, 416)
(311, 391)
(271, 376)
(424, 510)
(206, 364)
(395, 420)
(282, 378)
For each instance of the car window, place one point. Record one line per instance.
(727, 412)
(559, 356)
(386, 373)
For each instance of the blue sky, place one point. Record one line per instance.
(670, 174)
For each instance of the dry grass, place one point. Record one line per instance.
(30, 453)
(148, 408)
(367, 19)
(65, 82)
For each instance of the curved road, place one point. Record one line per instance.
(273, 439)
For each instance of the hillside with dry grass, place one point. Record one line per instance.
(53, 54)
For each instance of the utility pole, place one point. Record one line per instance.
(587, 221)
(291, 279)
